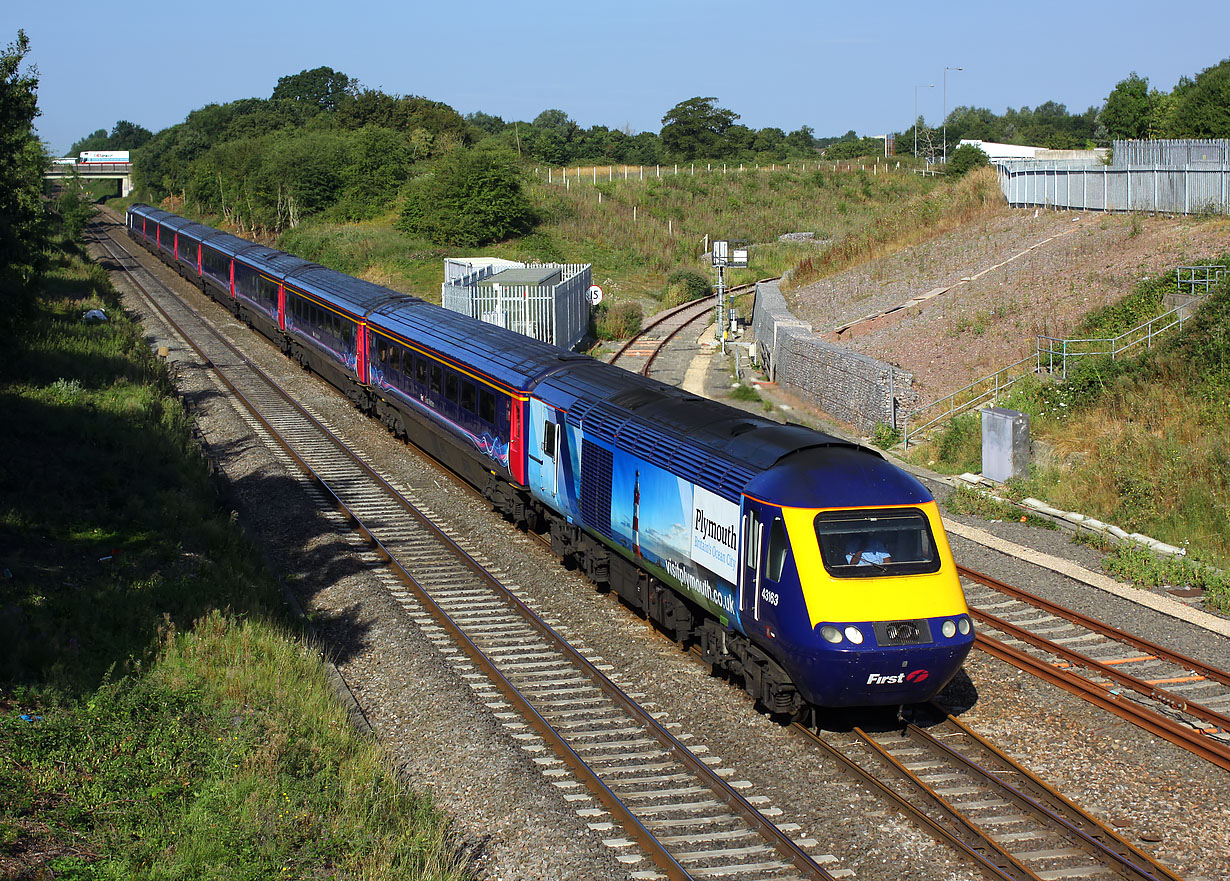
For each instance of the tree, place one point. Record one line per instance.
(1126, 112)
(695, 128)
(967, 157)
(321, 87)
(22, 219)
(802, 140)
(471, 198)
(1201, 108)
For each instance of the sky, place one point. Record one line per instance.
(831, 66)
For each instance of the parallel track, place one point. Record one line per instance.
(666, 798)
(1164, 692)
(975, 798)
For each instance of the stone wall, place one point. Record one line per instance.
(847, 386)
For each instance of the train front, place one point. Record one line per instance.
(859, 595)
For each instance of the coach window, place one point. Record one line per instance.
(777, 550)
(467, 396)
(420, 371)
(450, 386)
(437, 377)
(486, 406)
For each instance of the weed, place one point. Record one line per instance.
(885, 436)
(743, 392)
(969, 501)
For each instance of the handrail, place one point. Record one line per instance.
(1050, 347)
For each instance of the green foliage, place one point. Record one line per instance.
(971, 502)
(1126, 113)
(745, 392)
(1201, 107)
(958, 448)
(685, 285)
(695, 128)
(618, 322)
(1139, 566)
(469, 198)
(967, 157)
(124, 136)
(23, 230)
(213, 746)
(855, 148)
(885, 436)
(321, 88)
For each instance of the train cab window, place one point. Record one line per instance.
(437, 378)
(486, 406)
(467, 396)
(870, 543)
(778, 546)
(450, 386)
(420, 371)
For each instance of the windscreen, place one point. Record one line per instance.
(872, 543)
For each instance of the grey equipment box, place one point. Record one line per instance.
(1005, 443)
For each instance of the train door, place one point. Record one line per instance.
(543, 451)
(749, 568)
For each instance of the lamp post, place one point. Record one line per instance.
(946, 69)
(916, 88)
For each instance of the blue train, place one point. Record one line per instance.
(806, 567)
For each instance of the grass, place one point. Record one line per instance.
(637, 233)
(158, 718)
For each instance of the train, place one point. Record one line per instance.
(803, 566)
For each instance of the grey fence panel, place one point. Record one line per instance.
(556, 314)
(1107, 188)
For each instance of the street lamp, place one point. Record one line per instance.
(946, 69)
(916, 88)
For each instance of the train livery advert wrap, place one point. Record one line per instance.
(686, 531)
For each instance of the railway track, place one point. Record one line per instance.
(595, 746)
(639, 353)
(975, 798)
(637, 783)
(1171, 695)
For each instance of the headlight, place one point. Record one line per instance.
(949, 628)
(964, 626)
(831, 633)
(854, 635)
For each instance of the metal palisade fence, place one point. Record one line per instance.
(557, 314)
(1179, 177)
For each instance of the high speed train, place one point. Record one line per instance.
(806, 567)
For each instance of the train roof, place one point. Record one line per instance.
(358, 296)
(273, 262)
(198, 231)
(229, 245)
(712, 444)
(512, 358)
(837, 476)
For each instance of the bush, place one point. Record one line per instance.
(471, 198)
(683, 286)
(618, 322)
(966, 158)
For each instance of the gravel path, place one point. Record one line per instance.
(513, 823)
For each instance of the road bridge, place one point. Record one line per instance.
(121, 171)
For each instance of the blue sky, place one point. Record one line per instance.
(832, 66)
